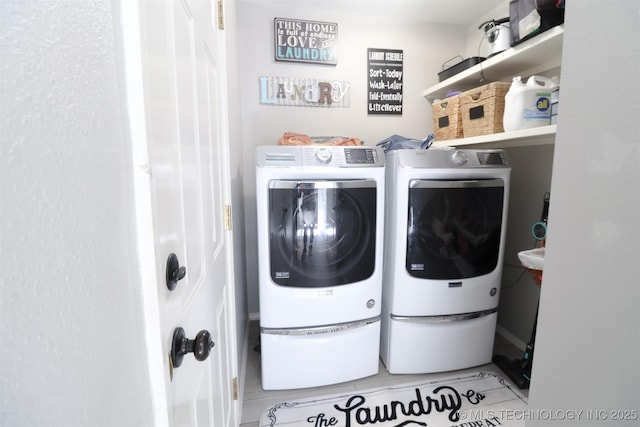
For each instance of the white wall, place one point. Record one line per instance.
(425, 46)
(73, 349)
(588, 342)
(530, 180)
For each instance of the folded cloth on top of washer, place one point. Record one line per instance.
(294, 138)
(397, 142)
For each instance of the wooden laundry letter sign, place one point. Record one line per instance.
(306, 41)
(304, 92)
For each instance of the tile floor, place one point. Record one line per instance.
(256, 399)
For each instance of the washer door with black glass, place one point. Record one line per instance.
(322, 233)
(454, 228)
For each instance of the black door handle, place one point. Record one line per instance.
(174, 272)
(200, 347)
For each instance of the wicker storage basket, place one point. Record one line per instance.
(482, 109)
(447, 120)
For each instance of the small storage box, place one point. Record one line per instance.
(459, 67)
(482, 109)
(447, 120)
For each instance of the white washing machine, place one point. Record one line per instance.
(320, 243)
(445, 233)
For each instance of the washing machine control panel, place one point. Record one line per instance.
(459, 158)
(359, 156)
(485, 158)
(323, 155)
(491, 158)
(342, 156)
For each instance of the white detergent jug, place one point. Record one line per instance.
(528, 105)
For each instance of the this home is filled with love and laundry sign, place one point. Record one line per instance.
(316, 42)
(298, 40)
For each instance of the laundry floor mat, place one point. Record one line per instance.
(478, 399)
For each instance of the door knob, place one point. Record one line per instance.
(174, 272)
(181, 345)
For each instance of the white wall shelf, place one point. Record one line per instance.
(544, 135)
(538, 54)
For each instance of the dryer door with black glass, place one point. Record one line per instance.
(454, 228)
(322, 232)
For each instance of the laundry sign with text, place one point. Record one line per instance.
(304, 92)
(384, 81)
(306, 41)
(482, 399)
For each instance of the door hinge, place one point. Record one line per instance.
(220, 15)
(227, 217)
(235, 388)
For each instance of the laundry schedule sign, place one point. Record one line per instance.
(385, 81)
(306, 41)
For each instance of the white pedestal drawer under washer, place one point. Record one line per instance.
(320, 232)
(446, 213)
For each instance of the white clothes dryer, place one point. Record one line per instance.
(320, 244)
(445, 234)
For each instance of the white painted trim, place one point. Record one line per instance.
(242, 369)
(130, 24)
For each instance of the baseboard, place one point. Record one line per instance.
(254, 316)
(242, 374)
(517, 342)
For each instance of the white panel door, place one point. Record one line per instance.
(184, 109)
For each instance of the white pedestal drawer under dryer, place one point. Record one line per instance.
(446, 213)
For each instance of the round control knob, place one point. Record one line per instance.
(459, 158)
(323, 155)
